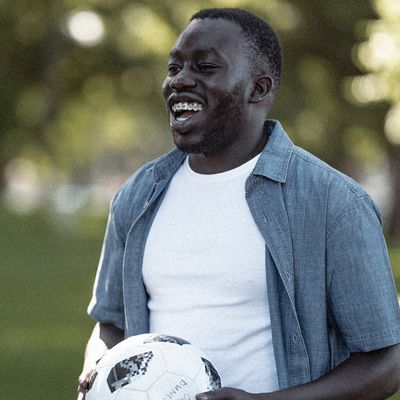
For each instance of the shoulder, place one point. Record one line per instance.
(313, 168)
(325, 187)
(134, 186)
(131, 197)
(142, 180)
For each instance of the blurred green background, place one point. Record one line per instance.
(80, 110)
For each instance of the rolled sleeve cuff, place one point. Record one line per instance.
(104, 316)
(373, 340)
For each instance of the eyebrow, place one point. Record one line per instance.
(198, 53)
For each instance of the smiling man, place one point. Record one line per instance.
(212, 70)
(244, 244)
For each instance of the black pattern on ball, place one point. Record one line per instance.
(127, 370)
(215, 380)
(166, 338)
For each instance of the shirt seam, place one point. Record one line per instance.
(113, 215)
(377, 333)
(335, 223)
(318, 163)
(339, 217)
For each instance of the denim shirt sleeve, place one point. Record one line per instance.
(107, 305)
(362, 297)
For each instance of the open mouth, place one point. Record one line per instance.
(183, 111)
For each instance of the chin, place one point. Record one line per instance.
(190, 148)
(185, 142)
(213, 140)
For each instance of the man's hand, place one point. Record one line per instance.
(363, 376)
(83, 382)
(104, 337)
(226, 393)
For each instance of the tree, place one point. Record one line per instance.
(83, 107)
(379, 57)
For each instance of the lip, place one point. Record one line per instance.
(186, 125)
(183, 126)
(182, 98)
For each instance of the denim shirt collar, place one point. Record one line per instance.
(273, 162)
(167, 165)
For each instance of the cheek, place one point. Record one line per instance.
(165, 88)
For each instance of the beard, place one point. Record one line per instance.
(224, 121)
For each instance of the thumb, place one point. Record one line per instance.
(84, 379)
(206, 396)
(225, 393)
(219, 394)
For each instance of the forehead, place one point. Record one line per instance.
(218, 36)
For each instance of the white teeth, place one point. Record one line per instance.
(187, 106)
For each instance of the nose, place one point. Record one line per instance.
(183, 79)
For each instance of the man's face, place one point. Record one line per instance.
(207, 87)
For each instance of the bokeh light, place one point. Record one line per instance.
(368, 88)
(392, 125)
(85, 27)
(389, 9)
(381, 51)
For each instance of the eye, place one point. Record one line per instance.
(173, 69)
(206, 67)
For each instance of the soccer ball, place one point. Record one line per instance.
(152, 367)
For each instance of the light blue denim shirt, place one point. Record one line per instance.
(330, 285)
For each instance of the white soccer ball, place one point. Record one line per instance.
(152, 367)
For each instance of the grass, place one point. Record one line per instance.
(47, 269)
(45, 285)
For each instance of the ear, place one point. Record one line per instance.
(262, 87)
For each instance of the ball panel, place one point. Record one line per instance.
(173, 387)
(131, 395)
(182, 361)
(157, 337)
(121, 351)
(149, 372)
(214, 378)
(129, 370)
(202, 382)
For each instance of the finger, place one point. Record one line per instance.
(81, 395)
(83, 383)
(225, 393)
(84, 380)
(202, 396)
(206, 396)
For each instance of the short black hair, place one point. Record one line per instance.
(265, 54)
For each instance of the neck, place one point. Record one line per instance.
(232, 156)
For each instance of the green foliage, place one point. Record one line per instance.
(77, 104)
(81, 106)
(379, 56)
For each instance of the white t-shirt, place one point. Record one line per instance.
(204, 272)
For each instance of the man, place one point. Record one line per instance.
(244, 244)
